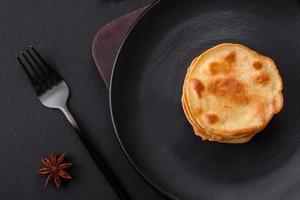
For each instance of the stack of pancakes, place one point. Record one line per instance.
(230, 93)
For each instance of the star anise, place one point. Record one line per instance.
(55, 169)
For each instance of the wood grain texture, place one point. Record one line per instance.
(108, 40)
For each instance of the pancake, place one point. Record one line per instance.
(230, 93)
(212, 137)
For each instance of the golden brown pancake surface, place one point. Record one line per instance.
(231, 92)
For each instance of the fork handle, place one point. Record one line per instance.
(70, 117)
(109, 175)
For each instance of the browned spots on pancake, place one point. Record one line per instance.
(216, 68)
(231, 57)
(225, 66)
(212, 118)
(263, 78)
(198, 87)
(257, 65)
(229, 88)
(198, 111)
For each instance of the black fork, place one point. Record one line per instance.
(53, 92)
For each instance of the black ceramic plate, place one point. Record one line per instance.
(146, 106)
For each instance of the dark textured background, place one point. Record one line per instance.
(63, 32)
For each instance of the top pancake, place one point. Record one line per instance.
(232, 90)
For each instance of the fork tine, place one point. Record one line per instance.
(35, 72)
(42, 59)
(46, 67)
(32, 74)
(42, 70)
(39, 72)
(32, 80)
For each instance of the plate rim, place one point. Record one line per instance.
(132, 163)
